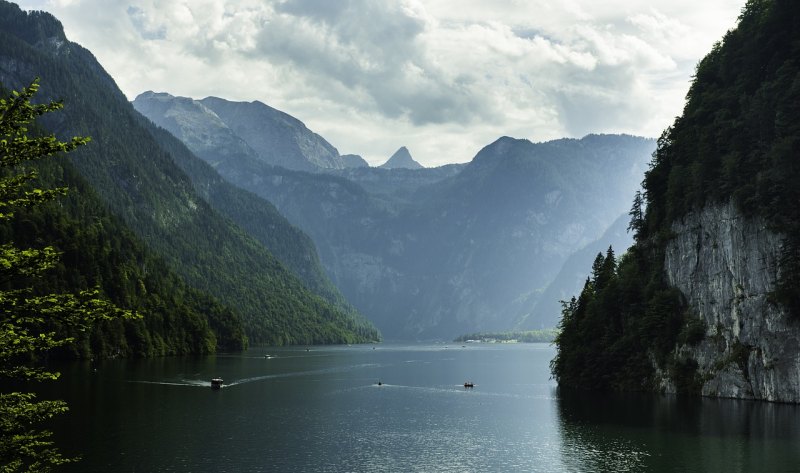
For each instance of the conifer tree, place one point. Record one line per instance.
(636, 224)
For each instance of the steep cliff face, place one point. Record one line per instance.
(708, 301)
(726, 265)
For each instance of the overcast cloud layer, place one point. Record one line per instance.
(442, 77)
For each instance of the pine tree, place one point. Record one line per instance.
(27, 319)
(636, 224)
(597, 268)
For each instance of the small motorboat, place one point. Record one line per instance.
(216, 383)
(469, 384)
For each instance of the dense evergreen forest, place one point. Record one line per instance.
(738, 139)
(258, 217)
(139, 184)
(97, 250)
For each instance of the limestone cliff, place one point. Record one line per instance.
(725, 264)
(707, 301)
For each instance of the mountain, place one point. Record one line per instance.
(206, 124)
(258, 217)
(401, 159)
(98, 251)
(353, 161)
(139, 182)
(437, 252)
(502, 227)
(546, 310)
(276, 137)
(397, 185)
(707, 301)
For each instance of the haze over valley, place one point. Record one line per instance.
(426, 253)
(300, 235)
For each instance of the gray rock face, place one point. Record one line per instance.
(277, 138)
(353, 161)
(195, 124)
(222, 132)
(401, 159)
(726, 266)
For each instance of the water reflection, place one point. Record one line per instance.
(291, 410)
(643, 432)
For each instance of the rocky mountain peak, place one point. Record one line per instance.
(277, 138)
(401, 159)
(194, 123)
(353, 161)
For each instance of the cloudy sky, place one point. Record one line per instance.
(442, 77)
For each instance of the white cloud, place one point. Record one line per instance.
(443, 77)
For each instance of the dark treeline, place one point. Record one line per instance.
(738, 139)
(625, 315)
(525, 336)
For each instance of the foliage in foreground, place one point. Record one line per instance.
(27, 318)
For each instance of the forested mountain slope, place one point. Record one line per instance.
(708, 299)
(97, 250)
(137, 179)
(258, 217)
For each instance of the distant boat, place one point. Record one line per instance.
(469, 384)
(216, 383)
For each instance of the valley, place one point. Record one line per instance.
(429, 253)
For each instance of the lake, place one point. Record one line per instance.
(321, 410)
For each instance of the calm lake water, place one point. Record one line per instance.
(288, 409)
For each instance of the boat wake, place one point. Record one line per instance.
(302, 373)
(184, 382)
(456, 389)
(207, 383)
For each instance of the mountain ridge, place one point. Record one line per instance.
(155, 198)
(403, 245)
(277, 138)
